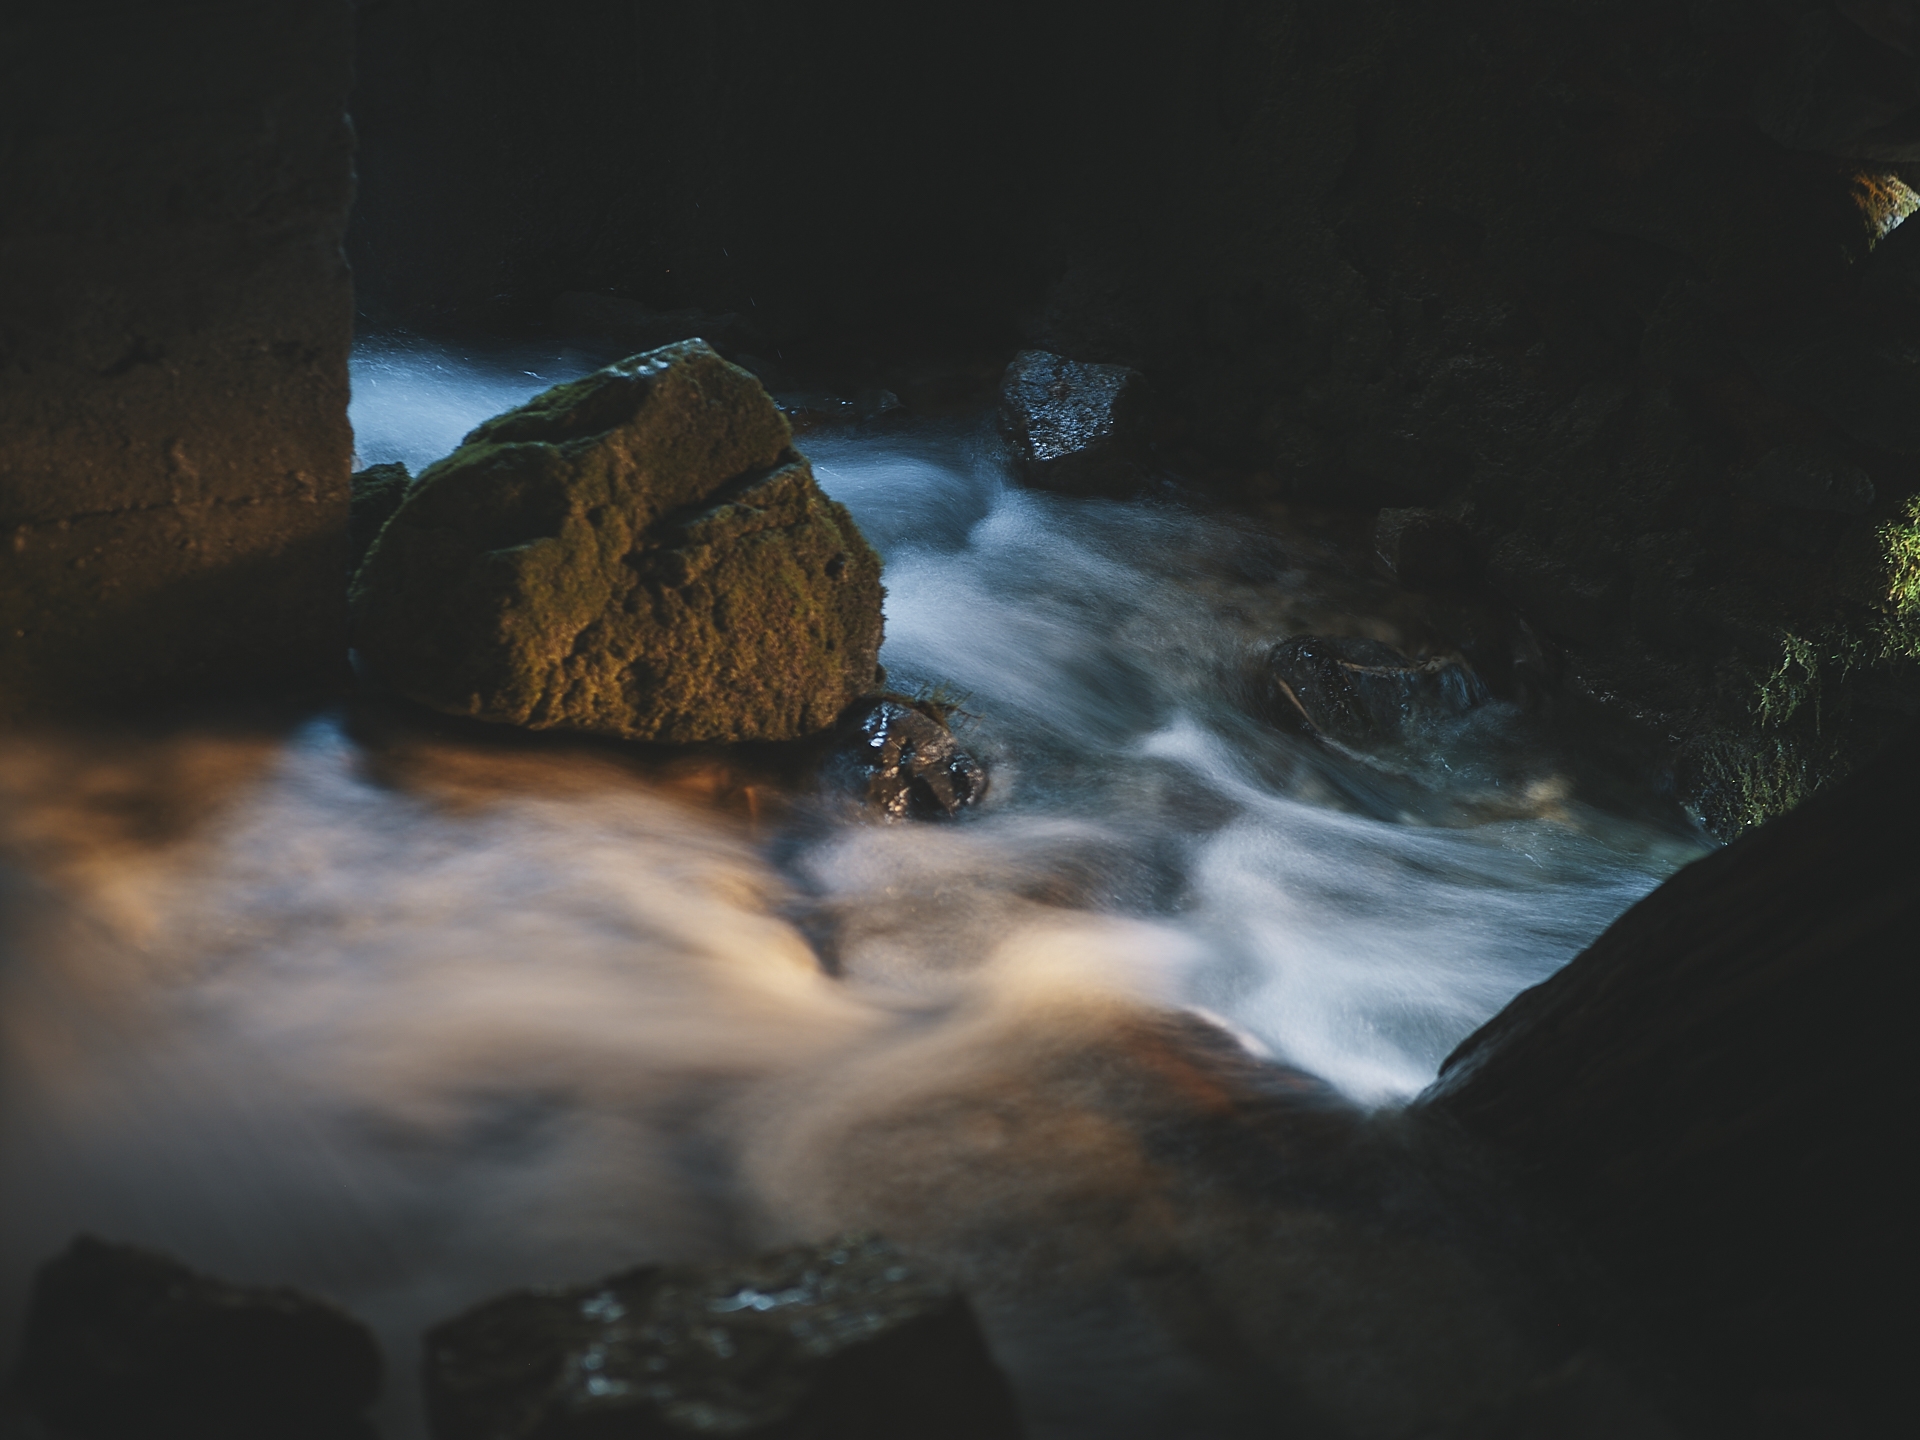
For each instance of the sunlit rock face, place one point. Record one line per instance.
(638, 554)
(174, 446)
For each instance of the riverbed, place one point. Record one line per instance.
(407, 1012)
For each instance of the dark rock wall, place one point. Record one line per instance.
(1718, 1089)
(818, 168)
(175, 314)
(1598, 277)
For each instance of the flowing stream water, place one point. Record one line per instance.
(409, 1014)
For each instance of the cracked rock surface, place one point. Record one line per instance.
(640, 554)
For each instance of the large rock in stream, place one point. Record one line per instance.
(125, 1344)
(843, 1339)
(639, 554)
(1718, 1088)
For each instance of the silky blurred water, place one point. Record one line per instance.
(409, 1015)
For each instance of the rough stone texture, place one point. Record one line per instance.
(377, 493)
(639, 554)
(842, 1339)
(1359, 691)
(123, 1344)
(902, 761)
(174, 320)
(1718, 1086)
(1074, 426)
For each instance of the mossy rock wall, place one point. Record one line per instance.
(638, 554)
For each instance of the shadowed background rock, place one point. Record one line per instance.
(1717, 1089)
(123, 1344)
(175, 314)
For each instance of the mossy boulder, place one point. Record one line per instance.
(640, 554)
(377, 493)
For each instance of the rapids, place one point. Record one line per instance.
(408, 1014)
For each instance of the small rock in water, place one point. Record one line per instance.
(1355, 691)
(377, 493)
(124, 1344)
(905, 762)
(1074, 426)
(843, 1339)
(638, 554)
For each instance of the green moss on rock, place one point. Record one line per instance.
(640, 554)
(377, 493)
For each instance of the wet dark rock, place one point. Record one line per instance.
(1424, 548)
(901, 759)
(1074, 426)
(843, 1339)
(1715, 1089)
(124, 1344)
(639, 554)
(377, 493)
(1356, 691)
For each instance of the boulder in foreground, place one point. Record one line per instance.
(121, 1342)
(377, 493)
(843, 1339)
(638, 554)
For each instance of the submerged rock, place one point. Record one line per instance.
(121, 1342)
(640, 554)
(1355, 691)
(1074, 426)
(842, 1339)
(377, 493)
(903, 761)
